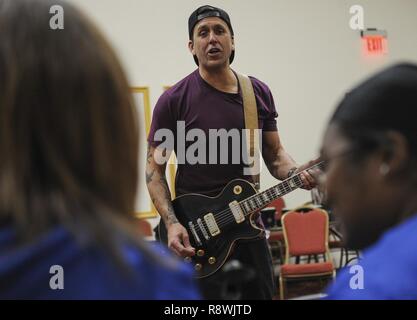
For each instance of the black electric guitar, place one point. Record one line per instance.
(214, 224)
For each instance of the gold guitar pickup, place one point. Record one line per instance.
(237, 211)
(211, 224)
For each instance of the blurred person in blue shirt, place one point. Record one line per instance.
(371, 180)
(69, 167)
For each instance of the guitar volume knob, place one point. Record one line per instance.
(237, 190)
(212, 260)
(200, 253)
(198, 267)
(187, 259)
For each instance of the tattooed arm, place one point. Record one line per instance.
(178, 239)
(281, 165)
(276, 158)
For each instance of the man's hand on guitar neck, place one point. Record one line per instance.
(178, 240)
(309, 177)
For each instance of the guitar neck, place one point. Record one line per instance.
(260, 200)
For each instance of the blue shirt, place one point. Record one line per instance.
(389, 268)
(88, 273)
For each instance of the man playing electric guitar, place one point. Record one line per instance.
(207, 99)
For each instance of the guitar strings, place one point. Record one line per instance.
(225, 216)
(274, 192)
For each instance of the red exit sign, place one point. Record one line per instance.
(374, 42)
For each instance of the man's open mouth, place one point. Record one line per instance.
(214, 51)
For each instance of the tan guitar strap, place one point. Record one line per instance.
(251, 122)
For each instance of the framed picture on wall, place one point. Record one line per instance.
(144, 207)
(172, 165)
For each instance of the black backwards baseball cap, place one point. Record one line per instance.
(205, 12)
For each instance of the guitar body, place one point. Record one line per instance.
(212, 253)
(215, 224)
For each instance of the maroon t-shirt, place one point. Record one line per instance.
(202, 106)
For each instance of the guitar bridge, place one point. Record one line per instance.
(203, 230)
(237, 211)
(194, 233)
(211, 224)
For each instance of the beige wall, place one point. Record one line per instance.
(305, 51)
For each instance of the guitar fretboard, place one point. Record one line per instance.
(260, 200)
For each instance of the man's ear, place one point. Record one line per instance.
(191, 47)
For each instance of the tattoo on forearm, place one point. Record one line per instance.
(160, 198)
(170, 217)
(149, 176)
(162, 201)
(164, 184)
(149, 154)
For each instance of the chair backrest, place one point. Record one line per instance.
(278, 204)
(306, 233)
(145, 228)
